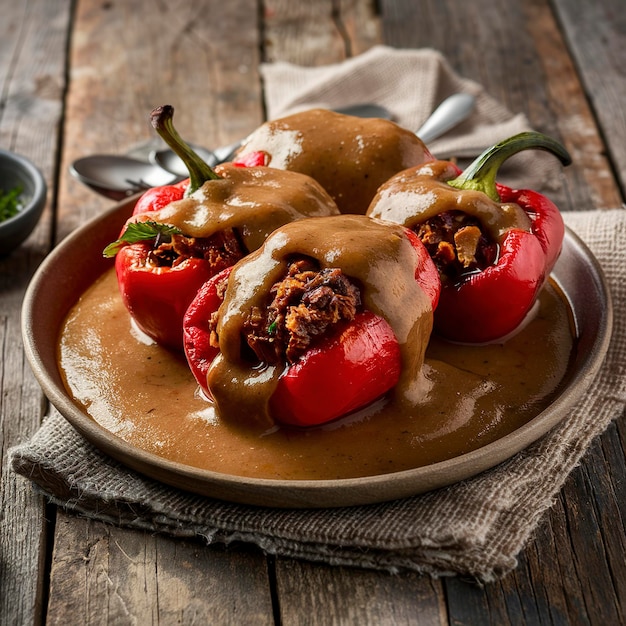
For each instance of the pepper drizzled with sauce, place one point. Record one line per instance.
(349, 156)
(494, 246)
(385, 287)
(168, 250)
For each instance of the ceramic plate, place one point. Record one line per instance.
(77, 262)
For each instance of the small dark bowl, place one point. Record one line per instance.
(17, 171)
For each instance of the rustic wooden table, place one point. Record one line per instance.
(79, 77)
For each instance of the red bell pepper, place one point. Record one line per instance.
(199, 344)
(349, 156)
(252, 159)
(494, 246)
(346, 368)
(157, 290)
(363, 356)
(159, 197)
(351, 369)
(157, 296)
(166, 253)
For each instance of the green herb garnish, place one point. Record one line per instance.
(141, 231)
(9, 203)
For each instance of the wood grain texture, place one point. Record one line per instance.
(536, 75)
(561, 63)
(125, 59)
(353, 596)
(33, 38)
(359, 24)
(523, 62)
(589, 181)
(315, 34)
(129, 57)
(104, 575)
(596, 30)
(305, 33)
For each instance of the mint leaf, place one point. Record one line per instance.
(140, 231)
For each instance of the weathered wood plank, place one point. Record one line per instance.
(589, 181)
(33, 38)
(126, 58)
(596, 525)
(129, 57)
(550, 561)
(305, 33)
(317, 594)
(555, 581)
(359, 24)
(596, 32)
(315, 34)
(523, 62)
(105, 575)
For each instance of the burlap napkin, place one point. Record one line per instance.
(474, 528)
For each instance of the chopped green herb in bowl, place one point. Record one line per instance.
(10, 202)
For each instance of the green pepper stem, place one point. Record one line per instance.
(199, 171)
(481, 174)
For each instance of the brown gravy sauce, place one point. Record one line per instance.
(147, 396)
(254, 201)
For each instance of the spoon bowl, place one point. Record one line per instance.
(169, 161)
(118, 177)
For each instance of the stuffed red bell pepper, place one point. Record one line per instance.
(327, 316)
(165, 254)
(349, 156)
(494, 246)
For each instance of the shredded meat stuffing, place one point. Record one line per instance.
(307, 304)
(221, 250)
(457, 244)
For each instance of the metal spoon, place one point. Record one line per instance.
(170, 161)
(118, 177)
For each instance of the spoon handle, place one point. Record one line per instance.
(452, 111)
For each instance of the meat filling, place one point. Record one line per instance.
(457, 244)
(306, 305)
(221, 250)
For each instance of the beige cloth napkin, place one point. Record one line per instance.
(475, 528)
(409, 83)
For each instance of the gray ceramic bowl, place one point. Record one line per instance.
(17, 171)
